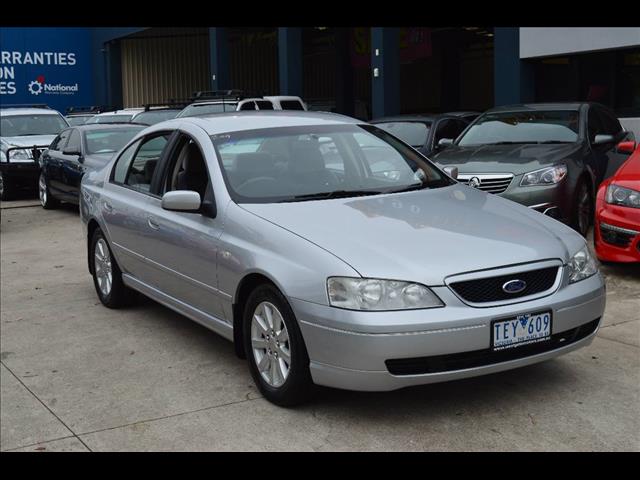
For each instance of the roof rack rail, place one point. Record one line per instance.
(89, 109)
(171, 103)
(24, 105)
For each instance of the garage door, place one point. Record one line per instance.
(163, 63)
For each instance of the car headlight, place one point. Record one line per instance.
(544, 176)
(374, 294)
(626, 197)
(20, 155)
(582, 265)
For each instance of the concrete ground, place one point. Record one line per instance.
(78, 376)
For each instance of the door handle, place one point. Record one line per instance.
(152, 223)
(107, 207)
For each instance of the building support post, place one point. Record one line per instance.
(219, 58)
(385, 71)
(513, 78)
(290, 60)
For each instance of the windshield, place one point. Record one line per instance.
(108, 140)
(205, 109)
(118, 118)
(413, 133)
(317, 162)
(24, 125)
(151, 118)
(523, 127)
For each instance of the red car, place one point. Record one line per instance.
(617, 223)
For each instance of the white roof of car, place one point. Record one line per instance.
(125, 111)
(28, 111)
(255, 119)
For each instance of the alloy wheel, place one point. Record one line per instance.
(42, 190)
(270, 344)
(102, 264)
(584, 209)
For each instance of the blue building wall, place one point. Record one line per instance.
(46, 65)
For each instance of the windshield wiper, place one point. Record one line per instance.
(409, 188)
(333, 194)
(551, 142)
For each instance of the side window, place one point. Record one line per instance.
(457, 126)
(611, 125)
(60, 141)
(122, 164)
(74, 141)
(291, 105)
(248, 106)
(187, 168)
(144, 162)
(594, 126)
(445, 129)
(264, 105)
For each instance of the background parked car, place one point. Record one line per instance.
(423, 132)
(25, 131)
(79, 115)
(617, 224)
(549, 157)
(220, 101)
(74, 152)
(154, 113)
(126, 115)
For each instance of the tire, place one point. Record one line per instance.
(111, 290)
(294, 386)
(582, 209)
(6, 189)
(47, 200)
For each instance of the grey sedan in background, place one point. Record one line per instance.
(549, 157)
(332, 253)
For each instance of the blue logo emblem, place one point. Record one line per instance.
(514, 286)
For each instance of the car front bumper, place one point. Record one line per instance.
(617, 233)
(356, 350)
(555, 201)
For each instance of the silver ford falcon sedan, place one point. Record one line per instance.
(331, 253)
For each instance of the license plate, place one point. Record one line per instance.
(523, 329)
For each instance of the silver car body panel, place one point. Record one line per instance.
(195, 264)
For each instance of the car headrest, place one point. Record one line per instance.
(306, 157)
(194, 163)
(254, 163)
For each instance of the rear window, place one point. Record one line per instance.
(412, 133)
(109, 141)
(205, 109)
(153, 117)
(110, 119)
(291, 105)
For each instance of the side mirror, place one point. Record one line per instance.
(451, 171)
(602, 139)
(626, 147)
(181, 201)
(445, 142)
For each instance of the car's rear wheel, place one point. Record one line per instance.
(582, 211)
(277, 356)
(47, 201)
(107, 277)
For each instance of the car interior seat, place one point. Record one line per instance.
(194, 174)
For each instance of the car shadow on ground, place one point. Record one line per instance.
(463, 396)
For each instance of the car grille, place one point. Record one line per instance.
(620, 237)
(484, 290)
(493, 183)
(481, 358)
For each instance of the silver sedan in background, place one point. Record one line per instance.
(332, 253)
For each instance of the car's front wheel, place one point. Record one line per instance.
(47, 201)
(582, 209)
(278, 358)
(107, 277)
(6, 192)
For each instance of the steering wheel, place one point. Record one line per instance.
(253, 181)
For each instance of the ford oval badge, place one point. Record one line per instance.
(514, 286)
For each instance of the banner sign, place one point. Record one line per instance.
(52, 66)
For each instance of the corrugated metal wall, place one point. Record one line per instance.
(253, 59)
(163, 63)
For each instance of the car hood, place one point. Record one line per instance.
(29, 140)
(425, 235)
(516, 159)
